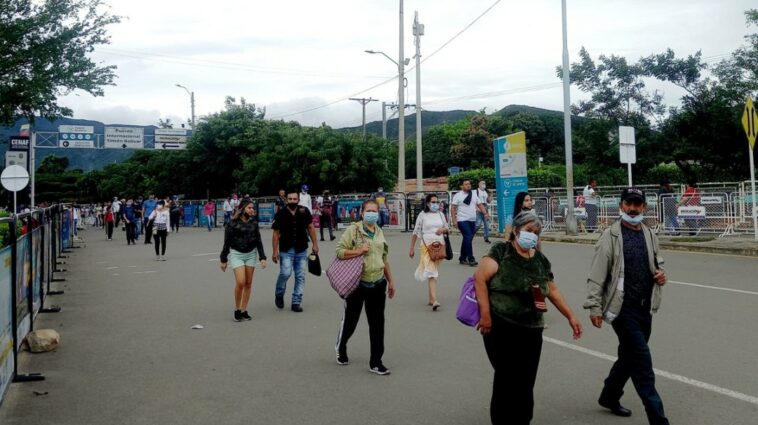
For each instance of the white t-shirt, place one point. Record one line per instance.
(465, 212)
(228, 206)
(427, 224)
(305, 201)
(483, 195)
(589, 195)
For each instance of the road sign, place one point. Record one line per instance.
(19, 143)
(124, 137)
(750, 122)
(171, 146)
(510, 173)
(76, 136)
(160, 138)
(17, 158)
(171, 131)
(14, 178)
(627, 151)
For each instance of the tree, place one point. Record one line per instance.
(44, 49)
(52, 164)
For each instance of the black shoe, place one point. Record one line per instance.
(296, 308)
(245, 316)
(321, 240)
(463, 262)
(331, 238)
(472, 263)
(379, 369)
(279, 301)
(237, 315)
(487, 241)
(342, 359)
(616, 408)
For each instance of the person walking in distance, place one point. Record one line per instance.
(228, 210)
(175, 211)
(243, 247)
(624, 288)
(430, 227)
(591, 201)
(147, 210)
(325, 205)
(137, 217)
(210, 211)
(305, 198)
(116, 206)
(292, 227)
(110, 221)
(365, 238)
(463, 215)
(281, 201)
(481, 219)
(160, 220)
(384, 213)
(691, 198)
(129, 219)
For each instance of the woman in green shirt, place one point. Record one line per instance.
(366, 239)
(512, 282)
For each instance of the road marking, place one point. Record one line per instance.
(673, 376)
(204, 254)
(147, 272)
(212, 259)
(111, 268)
(739, 291)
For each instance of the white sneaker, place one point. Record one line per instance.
(163, 258)
(157, 258)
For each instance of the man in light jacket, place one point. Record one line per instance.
(624, 289)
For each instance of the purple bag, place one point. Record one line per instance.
(468, 307)
(345, 275)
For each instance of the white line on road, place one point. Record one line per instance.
(146, 272)
(111, 268)
(739, 291)
(663, 373)
(204, 254)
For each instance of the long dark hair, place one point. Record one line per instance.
(241, 209)
(427, 200)
(518, 205)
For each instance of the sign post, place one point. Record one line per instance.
(750, 124)
(510, 174)
(14, 178)
(627, 150)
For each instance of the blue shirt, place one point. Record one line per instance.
(149, 206)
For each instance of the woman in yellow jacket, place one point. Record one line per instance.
(365, 238)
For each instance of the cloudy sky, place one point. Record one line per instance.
(303, 59)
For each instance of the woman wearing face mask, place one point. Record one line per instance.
(161, 221)
(365, 238)
(431, 227)
(523, 202)
(243, 246)
(512, 282)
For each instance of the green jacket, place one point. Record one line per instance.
(603, 296)
(374, 261)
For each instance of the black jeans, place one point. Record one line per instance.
(514, 352)
(375, 298)
(109, 230)
(148, 231)
(175, 221)
(160, 238)
(131, 231)
(633, 326)
(325, 221)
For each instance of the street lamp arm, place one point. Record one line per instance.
(185, 88)
(375, 52)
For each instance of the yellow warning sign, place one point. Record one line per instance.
(750, 122)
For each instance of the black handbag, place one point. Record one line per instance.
(314, 264)
(448, 248)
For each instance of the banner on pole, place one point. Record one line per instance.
(510, 174)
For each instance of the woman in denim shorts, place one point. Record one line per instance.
(243, 247)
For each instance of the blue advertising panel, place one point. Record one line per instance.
(266, 213)
(66, 229)
(6, 321)
(189, 215)
(23, 280)
(348, 211)
(510, 174)
(36, 276)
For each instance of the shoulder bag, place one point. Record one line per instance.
(468, 307)
(345, 275)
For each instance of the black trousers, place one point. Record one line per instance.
(375, 299)
(109, 229)
(160, 241)
(148, 232)
(325, 221)
(633, 326)
(514, 352)
(131, 230)
(175, 221)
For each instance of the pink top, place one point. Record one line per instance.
(208, 209)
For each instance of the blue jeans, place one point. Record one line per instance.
(467, 228)
(384, 217)
(210, 222)
(288, 261)
(480, 219)
(137, 227)
(633, 326)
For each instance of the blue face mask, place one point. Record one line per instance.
(434, 207)
(637, 219)
(528, 240)
(371, 217)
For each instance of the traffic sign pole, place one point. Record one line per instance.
(750, 124)
(754, 210)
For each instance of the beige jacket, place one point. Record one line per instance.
(604, 298)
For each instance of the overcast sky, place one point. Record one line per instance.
(294, 55)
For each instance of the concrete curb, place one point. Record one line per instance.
(667, 245)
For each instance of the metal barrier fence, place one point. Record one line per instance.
(33, 244)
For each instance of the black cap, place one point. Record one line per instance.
(633, 194)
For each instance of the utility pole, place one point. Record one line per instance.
(384, 120)
(570, 218)
(418, 31)
(401, 109)
(363, 101)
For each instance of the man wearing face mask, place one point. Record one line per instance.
(624, 289)
(481, 218)
(305, 198)
(292, 227)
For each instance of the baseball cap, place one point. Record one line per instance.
(633, 194)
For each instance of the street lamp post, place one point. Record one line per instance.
(418, 31)
(570, 218)
(192, 103)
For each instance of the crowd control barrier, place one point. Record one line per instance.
(33, 243)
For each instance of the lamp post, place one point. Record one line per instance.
(570, 218)
(418, 31)
(192, 102)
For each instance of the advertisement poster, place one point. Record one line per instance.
(348, 211)
(189, 215)
(23, 280)
(36, 276)
(396, 219)
(6, 321)
(266, 213)
(66, 230)
(510, 174)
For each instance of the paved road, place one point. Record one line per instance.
(128, 355)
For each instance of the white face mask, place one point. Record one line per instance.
(482, 186)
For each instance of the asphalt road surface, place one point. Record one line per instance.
(128, 354)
